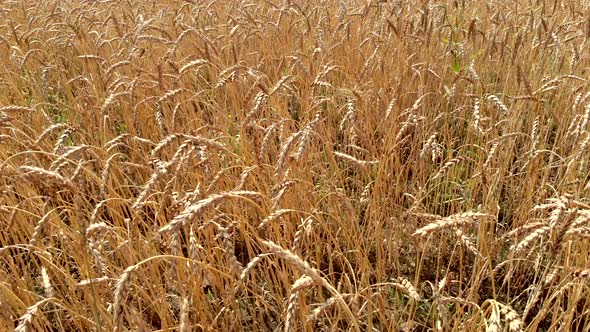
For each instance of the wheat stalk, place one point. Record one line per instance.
(301, 283)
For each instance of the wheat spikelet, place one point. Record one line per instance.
(170, 94)
(350, 116)
(115, 66)
(432, 147)
(491, 156)
(110, 100)
(223, 80)
(360, 163)
(564, 228)
(184, 316)
(81, 170)
(320, 83)
(305, 137)
(315, 314)
(202, 141)
(62, 160)
(561, 206)
(38, 231)
(303, 142)
(472, 72)
(259, 102)
(301, 283)
(447, 166)
(160, 171)
(407, 125)
(389, 109)
(284, 153)
(549, 86)
(15, 109)
(25, 322)
(493, 323)
(498, 103)
(104, 175)
(452, 221)
(406, 286)
(120, 296)
(267, 139)
(533, 236)
(273, 216)
(184, 151)
(582, 273)
(303, 229)
(46, 283)
(159, 116)
(512, 318)
(235, 267)
(280, 191)
(418, 102)
(326, 69)
(87, 282)
(280, 83)
(467, 242)
(189, 65)
(427, 216)
(297, 62)
(554, 276)
(49, 130)
(193, 212)
(194, 251)
(115, 142)
(47, 178)
(93, 232)
(577, 230)
(428, 146)
(62, 140)
(92, 57)
(251, 264)
(574, 129)
(477, 116)
(535, 136)
(5, 119)
(579, 98)
(585, 118)
(452, 91)
(297, 262)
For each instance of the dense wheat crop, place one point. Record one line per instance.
(294, 165)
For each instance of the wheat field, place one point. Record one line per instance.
(293, 165)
